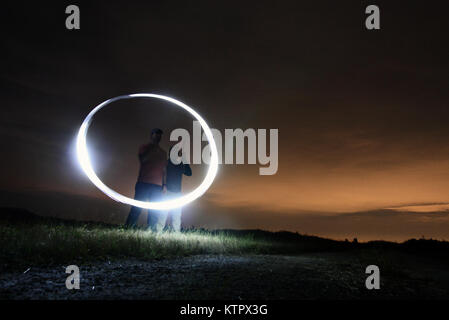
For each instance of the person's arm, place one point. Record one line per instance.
(187, 170)
(142, 152)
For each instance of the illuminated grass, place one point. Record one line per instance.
(61, 243)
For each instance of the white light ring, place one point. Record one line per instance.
(83, 158)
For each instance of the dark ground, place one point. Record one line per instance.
(309, 276)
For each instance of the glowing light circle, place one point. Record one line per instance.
(83, 158)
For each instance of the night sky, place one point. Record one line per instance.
(362, 115)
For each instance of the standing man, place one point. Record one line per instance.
(174, 185)
(149, 186)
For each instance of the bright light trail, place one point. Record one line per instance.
(83, 158)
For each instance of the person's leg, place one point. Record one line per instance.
(160, 220)
(134, 213)
(156, 218)
(175, 214)
(176, 219)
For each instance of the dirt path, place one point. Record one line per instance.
(324, 276)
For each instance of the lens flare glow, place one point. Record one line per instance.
(83, 158)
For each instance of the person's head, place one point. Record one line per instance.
(156, 135)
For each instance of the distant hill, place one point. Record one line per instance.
(18, 215)
(13, 215)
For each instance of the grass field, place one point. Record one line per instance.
(26, 238)
(45, 241)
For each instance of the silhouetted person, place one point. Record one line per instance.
(149, 186)
(174, 186)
